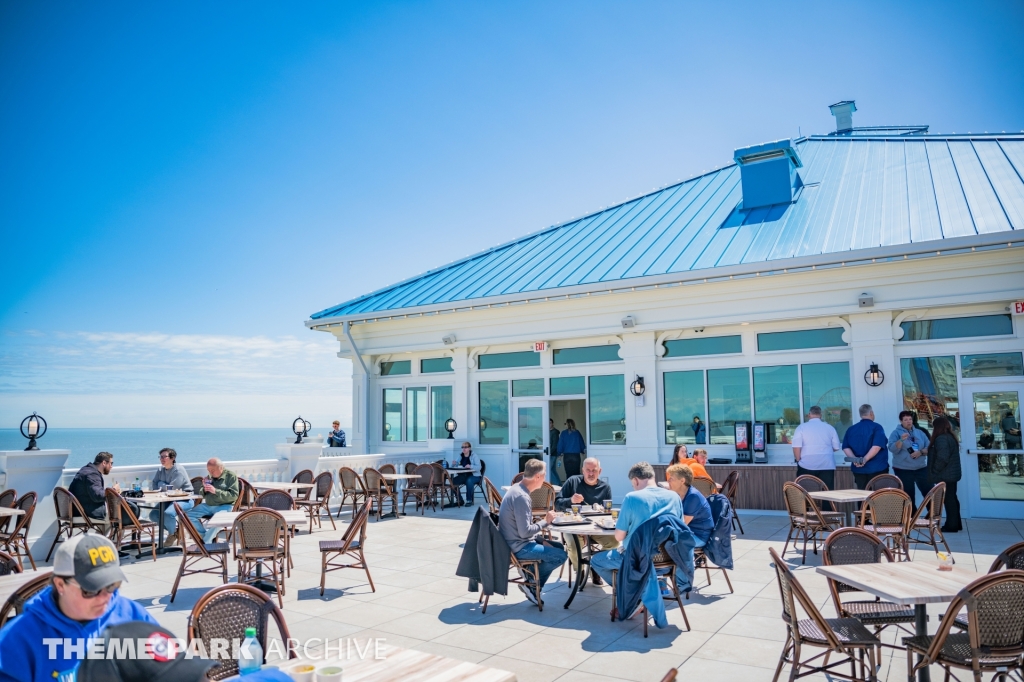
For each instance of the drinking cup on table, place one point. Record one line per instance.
(575, 510)
(329, 673)
(607, 505)
(945, 561)
(615, 514)
(301, 672)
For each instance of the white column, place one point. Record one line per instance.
(871, 342)
(642, 432)
(38, 471)
(462, 395)
(298, 457)
(358, 440)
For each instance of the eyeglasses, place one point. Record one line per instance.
(92, 594)
(165, 456)
(465, 447)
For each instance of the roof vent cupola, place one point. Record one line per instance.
(768, 173)
(843, 111)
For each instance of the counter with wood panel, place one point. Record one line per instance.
(760, 485)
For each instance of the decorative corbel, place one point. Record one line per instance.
(840, 322)
(473, 354)
(897, 330)
(377, 363)
(659, 345)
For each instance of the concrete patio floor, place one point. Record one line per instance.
(420, 604)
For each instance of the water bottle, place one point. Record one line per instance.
(250, 653)
(138, 486)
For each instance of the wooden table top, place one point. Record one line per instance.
(409, 665)
(841, 495)
(226, 519)
(396, 477)
(904, 582)
(281, 485)
(590, 528)
(156, 498)
(9, 584)
(11, 511)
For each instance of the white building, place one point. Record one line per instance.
(748, 293)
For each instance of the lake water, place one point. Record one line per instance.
(141, 446)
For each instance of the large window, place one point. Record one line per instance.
(608, 409)
(494, 413)
(777, 401)
(440, 410)
(527, 388)
(728, 402)
(712, 345)
(827, 385)
(929, 388)
(389, 369)
(501, 360)
(991, 365)
(432, 365)
(807, 338)
(568, 386)
(684, 404)
(416, 413)
(392, 414)
(957, 327)
(569, 356)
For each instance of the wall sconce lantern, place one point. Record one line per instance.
(874, 376)
(637, 387)
(300, 427)
(668, 423)
(483, 424)
(449, 426)
(33, 427)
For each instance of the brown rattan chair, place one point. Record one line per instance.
(278, 500)
(492, 495)
(420, 489)
(542, 500)
(661, 561)
(351, 488)
(195, 550)
(351, 547)
(886, 513)
(442, 486)
(378, 490)
(526, 574)
(993, 642)
(883, 482)
(518, 477)
(705, 486)
(410, 468)
(387, 469)
(246, 496)
(15, 543)
(7, 499)
(813, 484)
(1010, 558)
(670, 676)
(197, 485)
(925, 527)
(225, 612)
(260, 537)
(15, 603)
(660, 472)
(805, 519)
(124, 524)
(304, 476)
(857, 546)
(70, 518)
(320, 502)
(8, 564)
(730, 486)
(701, 560)
(844, 640)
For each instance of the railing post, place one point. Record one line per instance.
(38, 471)
(298, 457)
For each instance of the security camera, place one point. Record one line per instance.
(866, 301)
(448, 340)
(628, 322)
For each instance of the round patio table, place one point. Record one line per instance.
(586, 529)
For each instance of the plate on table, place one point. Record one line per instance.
(594, 512)
(606, 524)
(569, 520)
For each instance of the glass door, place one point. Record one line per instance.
(992, 434)
(530, 429)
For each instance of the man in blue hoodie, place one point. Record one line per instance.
(49, 639)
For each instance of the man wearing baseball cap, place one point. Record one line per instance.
(48, 640)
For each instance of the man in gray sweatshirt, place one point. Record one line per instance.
(515, 523)
(171, 474)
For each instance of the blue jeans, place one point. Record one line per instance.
(470, 482)
(605, 562)
(170, 518)
(196, 514)
(551, 556)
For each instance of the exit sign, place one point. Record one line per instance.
(1018, 308)
(540, 346)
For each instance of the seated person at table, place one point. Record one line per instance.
(172, 475)
(515, 523)
(700, 458)
(88, 488)
(469, 478)
(47, 641)
(586, 489)
(220, 490)
(696, 510)
(336, 438)
(646, 502)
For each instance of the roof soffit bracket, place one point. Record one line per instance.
(840, 322)
(473, 356)
(897, 330)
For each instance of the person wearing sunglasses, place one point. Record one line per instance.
(48, 640)
(470, 479)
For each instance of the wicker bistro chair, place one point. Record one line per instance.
(124, 524)
(351, 488)
(246, 496)
(660, 472)
(492, 495)
(805, 519)
(197, 485)
(884, 481)
(278, 500)
(195, 550)
(320, 502)
(304, 476)
(7, 499)
(857, 546)
(844, 640)
(351, 547)
(700, 560)
(260, 536)
(526, 574)
(441, 485)
(387, 469)
(518, 477)
(660, 561)
(410, 468)
(925, 527)
(993, 642)
(730, 487)
(886, 513)
(420, 488)
(8, 564)
(15, 603)
(1010, 558)
(15, 542)
(225, 612)
(71, 517)
(378, 490)
(705, 486)
(813, 484)
(542, 500)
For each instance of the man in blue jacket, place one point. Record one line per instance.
(49, 639)
(866, 442)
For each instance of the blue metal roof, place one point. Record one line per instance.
(858, 192)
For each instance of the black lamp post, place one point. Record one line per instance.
(637, 387)
(450, 426)
(300, 427)
(874, 376)
(30, 428)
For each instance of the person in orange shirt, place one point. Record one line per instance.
(700, 458)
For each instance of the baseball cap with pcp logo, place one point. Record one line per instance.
(90, 559)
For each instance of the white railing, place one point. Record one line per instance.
(249, 469)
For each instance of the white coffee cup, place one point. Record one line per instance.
(329, 673)
(301, 672)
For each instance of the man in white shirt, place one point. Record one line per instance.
(814, 443)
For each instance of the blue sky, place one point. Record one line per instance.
(181, 185)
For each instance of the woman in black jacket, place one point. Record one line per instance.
(944, 466)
